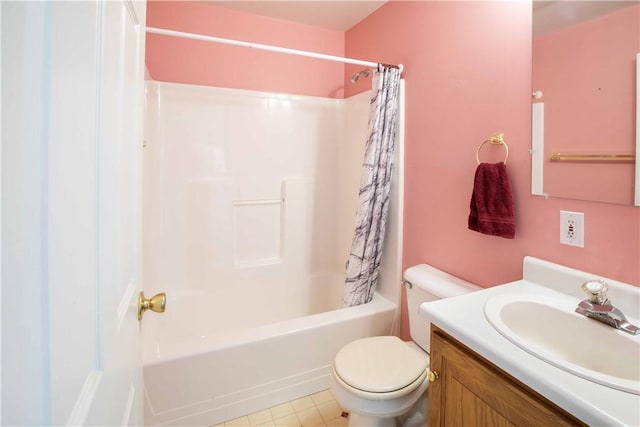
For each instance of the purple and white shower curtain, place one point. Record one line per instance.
(363, 265)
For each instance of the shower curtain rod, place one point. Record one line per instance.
(264, 47)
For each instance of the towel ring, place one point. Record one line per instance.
(496, 139)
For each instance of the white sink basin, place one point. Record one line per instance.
(549, 329)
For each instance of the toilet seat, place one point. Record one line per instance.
(380, 368)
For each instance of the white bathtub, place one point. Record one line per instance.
(205, 363)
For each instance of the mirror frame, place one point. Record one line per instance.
(637, 181)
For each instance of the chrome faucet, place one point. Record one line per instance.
(599, 307)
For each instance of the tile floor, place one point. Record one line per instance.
(316, 410)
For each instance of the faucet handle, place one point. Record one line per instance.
(597, 291)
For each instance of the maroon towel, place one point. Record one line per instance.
(492, 201)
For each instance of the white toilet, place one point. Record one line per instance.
(382, 381)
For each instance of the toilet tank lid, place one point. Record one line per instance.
(437, 281)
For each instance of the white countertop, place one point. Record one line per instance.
(463, 318)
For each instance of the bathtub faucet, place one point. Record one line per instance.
(599, 307)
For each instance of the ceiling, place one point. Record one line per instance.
(553, 15)
(332, 15)
(344, 14)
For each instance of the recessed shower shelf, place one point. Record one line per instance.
(258, 202)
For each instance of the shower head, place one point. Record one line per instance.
(356, 76)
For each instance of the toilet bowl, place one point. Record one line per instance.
(382, 381)
(387, 385)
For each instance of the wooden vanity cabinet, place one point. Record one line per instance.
(471, 391)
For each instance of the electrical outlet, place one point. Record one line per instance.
(572, 228)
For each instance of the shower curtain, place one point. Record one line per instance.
(365, 256)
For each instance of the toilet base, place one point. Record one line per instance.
(415, 417)
(357, 420)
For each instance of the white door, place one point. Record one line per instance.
(72, 98)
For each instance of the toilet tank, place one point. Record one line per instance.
(429, 284)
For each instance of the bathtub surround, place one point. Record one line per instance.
(247, 251)
(363, 265)
(216, 214)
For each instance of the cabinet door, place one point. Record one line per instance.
(472, 392)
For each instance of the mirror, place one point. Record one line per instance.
(585, 100)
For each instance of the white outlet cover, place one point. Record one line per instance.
(572, 228)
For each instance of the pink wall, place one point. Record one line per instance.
(468, 75)
(172, 59)
(587, 75)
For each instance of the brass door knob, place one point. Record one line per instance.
(433, 376)
(155, 303)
